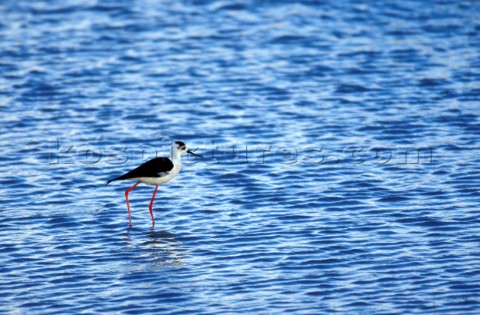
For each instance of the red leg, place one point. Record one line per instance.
(151, 204)
(128, 204)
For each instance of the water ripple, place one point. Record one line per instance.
(341, 145)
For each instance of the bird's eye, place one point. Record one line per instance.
(182, 148)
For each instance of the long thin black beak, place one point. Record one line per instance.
(191, 152)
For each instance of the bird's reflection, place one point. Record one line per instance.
(160, 247)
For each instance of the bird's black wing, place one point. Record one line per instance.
(156, 167)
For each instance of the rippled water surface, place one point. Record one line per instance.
(341, 144)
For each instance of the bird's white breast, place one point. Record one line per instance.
(162, 179)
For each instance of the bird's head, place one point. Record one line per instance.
(182, 148)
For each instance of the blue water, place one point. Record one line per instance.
(341, 143)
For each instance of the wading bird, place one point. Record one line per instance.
(156, 172)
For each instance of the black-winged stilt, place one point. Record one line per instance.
(156, 172)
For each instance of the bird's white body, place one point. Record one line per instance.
(176, 159)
